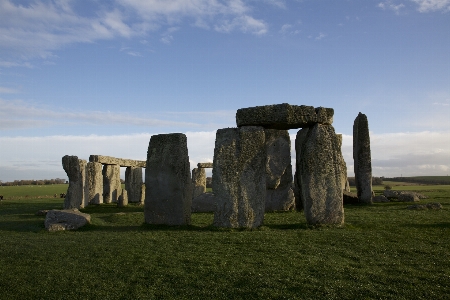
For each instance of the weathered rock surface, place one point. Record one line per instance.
(408, 197)
(205, 202)
(380, 198)
(205, 165)
(94, 183)
(42, 212)
(283, 116)
(108, 160)
(123, 199)
(349, 198)
(168, 195)
(112, 187)
(76, 171)
(300, 140)
(344, 180)
(67, 219)
(198, 182)
(239, 177)
(279, 195)
(320, 176)
(133, 183)
(362, 158)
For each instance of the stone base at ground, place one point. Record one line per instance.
(349, 198)
(67, 219)
(205, 202)
(380, 198)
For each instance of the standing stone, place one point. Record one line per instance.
(76, 171)
(94, 183)
(133, 183)
(123, 199)
(320, 176)
(112, 187)
(362, 158)
(299, 142)
(239, 177)
(141, 201)
(198, 182)
(168, 194)
(344, 179)
(280, 195)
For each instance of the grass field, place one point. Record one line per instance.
(384, 251)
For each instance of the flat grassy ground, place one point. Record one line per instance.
(384, 251)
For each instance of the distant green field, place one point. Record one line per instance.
(32, 191)
(422, 179)
(384, 251)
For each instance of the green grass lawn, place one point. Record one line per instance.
(384, 251)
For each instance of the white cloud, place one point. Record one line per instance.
(40, 28)
(17, 114)
(320, 36)
(432, 5)
(388, 5)
(5, 90)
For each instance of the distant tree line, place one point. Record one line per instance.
(422, 179)
(34, 182)
(375, 181)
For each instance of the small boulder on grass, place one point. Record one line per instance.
(42, 212)
(380, 198)
(66, 219)
(408, 197)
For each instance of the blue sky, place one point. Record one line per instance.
(101, 77)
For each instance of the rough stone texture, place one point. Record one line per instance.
(299, 142)
(279, 195)
(349, 198)
(408, 197)
(362, 158)
(123, 199)
(320, 176)
(205, 165)
(142, 194)
(239, 177)
(133, 183)
(198, 182)
(205, 202)
(108, 160)
(76, 171)
(42, 212)
(344, 179)
(94, 183)
(380, 198)
(67, 219)
(283, 116)
(168, 195)
(112, 187)
(391, 194)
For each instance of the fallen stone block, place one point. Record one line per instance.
(108, 160)
(67, 219)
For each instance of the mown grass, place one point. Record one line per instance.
(384, 251)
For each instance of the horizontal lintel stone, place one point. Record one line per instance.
(205, 165)
(284, 116)
(108, 160)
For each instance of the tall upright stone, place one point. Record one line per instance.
(362, 159)
(320, 176)
(279, 194)
(112, 187)
(133, 183)
(76, 171)
(239, 177)
(344, 179)
(299, 142)
(94, 183)
(198, 182)
(168, 195)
